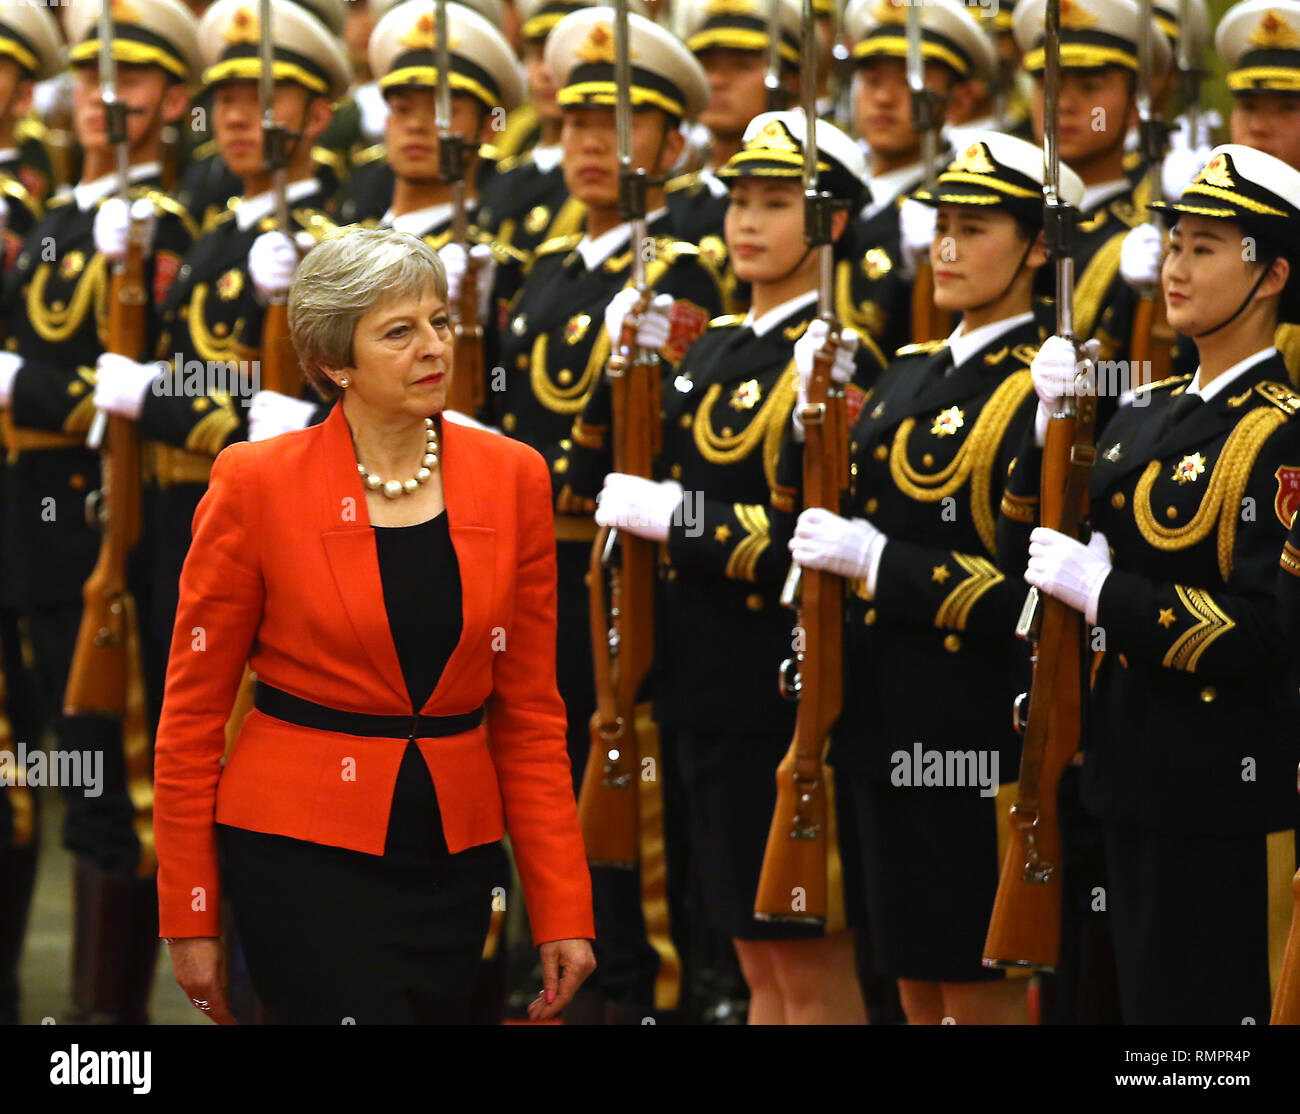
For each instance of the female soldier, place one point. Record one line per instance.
(931, 658)
(723, 631)
(1191, 720)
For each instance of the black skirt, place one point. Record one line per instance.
(331, 934)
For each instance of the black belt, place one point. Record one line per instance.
(304, 713)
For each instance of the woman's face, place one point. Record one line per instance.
(1210, 267)
(403, 353)
(974, 255)
(764, 228)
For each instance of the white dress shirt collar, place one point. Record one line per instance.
(419, 222)
(90, 194)
(547, 158)
(595, 252)
(250, 210)
(964, 345)
(1095, 196)
(886, 187)
(761, 326)
(1223, 381)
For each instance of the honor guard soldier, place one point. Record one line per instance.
(208, 184)
(31, 49)
(214, 312)
(927, 607)
(724, 630)
(56, 321)
(1190, 719)
(874, 292)
(526, 201)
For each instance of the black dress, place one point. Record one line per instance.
(330, 933)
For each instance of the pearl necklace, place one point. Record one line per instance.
(394, 488)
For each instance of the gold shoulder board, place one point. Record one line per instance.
(1280, 395)
(923, 346)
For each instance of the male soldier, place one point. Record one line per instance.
(873, 286)
(214, 312)
(56, 328)
(30, 44)
(553, 349)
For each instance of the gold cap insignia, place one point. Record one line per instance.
(599, 44)
(1075, 17)
(423, 34)
(1274, 30)
(773, 137)
(889, 11)
(123, 12)
(1215, 173)
(243, 27)
(974, 160)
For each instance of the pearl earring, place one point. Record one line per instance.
(345, 381)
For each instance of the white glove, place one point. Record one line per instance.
(112, 224)
(654, 328)
(271, 414)
(453, 262)
(4, 214)
(1141, 255)
(1053, 371)
(373, 109)
(10, 362)
(847, 547)
(639, 506)
(272, 260)
(916, 223)
(122, 383)
(1069, 570)
(805, 352)
(1187, 154)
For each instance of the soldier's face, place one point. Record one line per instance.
(974, 255)
(590, 143)
(144, 90)
(882, 104)
(764, 228)
(403, 356)
(736, 90)
(1210, 267)
(411, 130)
(237, 121)
(541, 85)
(1097, 109)
(1269, 122)
(15, 93)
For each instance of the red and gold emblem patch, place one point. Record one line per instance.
(687, 322)
(1287, 500)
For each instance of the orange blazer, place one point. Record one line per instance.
(283, 574)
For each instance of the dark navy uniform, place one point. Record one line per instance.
(524, 205)
(872, 293)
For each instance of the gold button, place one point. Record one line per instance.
(1208, 694)
(562, 464)
(565, 377)
(1171, 512)
(1117, 500)
(685, 421)
(952, 643)
(881, 452)
(521, 361)
(76, 387)
(676, 471)
(754, 602)
(58, 307)
(927, 460)
(184, 312)
(853, 446)
(870, 616)
(726, 431)
(872, 504)
(565, 444)
(220, 329)
(201, 404)
(507, 421)
(853, 468)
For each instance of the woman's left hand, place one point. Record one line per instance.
(576, 959)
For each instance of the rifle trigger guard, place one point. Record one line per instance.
(1020, 713)
(95, 510)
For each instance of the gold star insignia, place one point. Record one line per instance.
(746, 395)
(940, 574)
(722, 533)
(1166, 618)
(1189, 469)
(948, 422)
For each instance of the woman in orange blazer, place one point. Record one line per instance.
(390, 578)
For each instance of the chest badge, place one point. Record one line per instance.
(1113, 453)
(876, 263)
(230, 284)
(576, 328)
(1287, 499)
(537, 219)
(1189, 469)
(948, 422)
(72, 265)
(746, 396)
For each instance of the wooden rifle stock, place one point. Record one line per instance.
(929, 322)
(1151, 349)
(466, 395)
(1025, 927)
(793, 883)
(279, 362)
(97, 681)
(624, 651)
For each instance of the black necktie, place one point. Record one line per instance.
(1183, 407)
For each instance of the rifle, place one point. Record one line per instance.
(928, 321)
(793, 883)
(1151, 347)
(1286, 997)
(98, 678)
(1025, 927)
(466, 391)
(619, 808)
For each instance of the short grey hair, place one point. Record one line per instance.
(352, 271)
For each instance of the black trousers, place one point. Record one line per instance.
(333, 936)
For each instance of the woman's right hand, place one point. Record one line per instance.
(199, 964)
